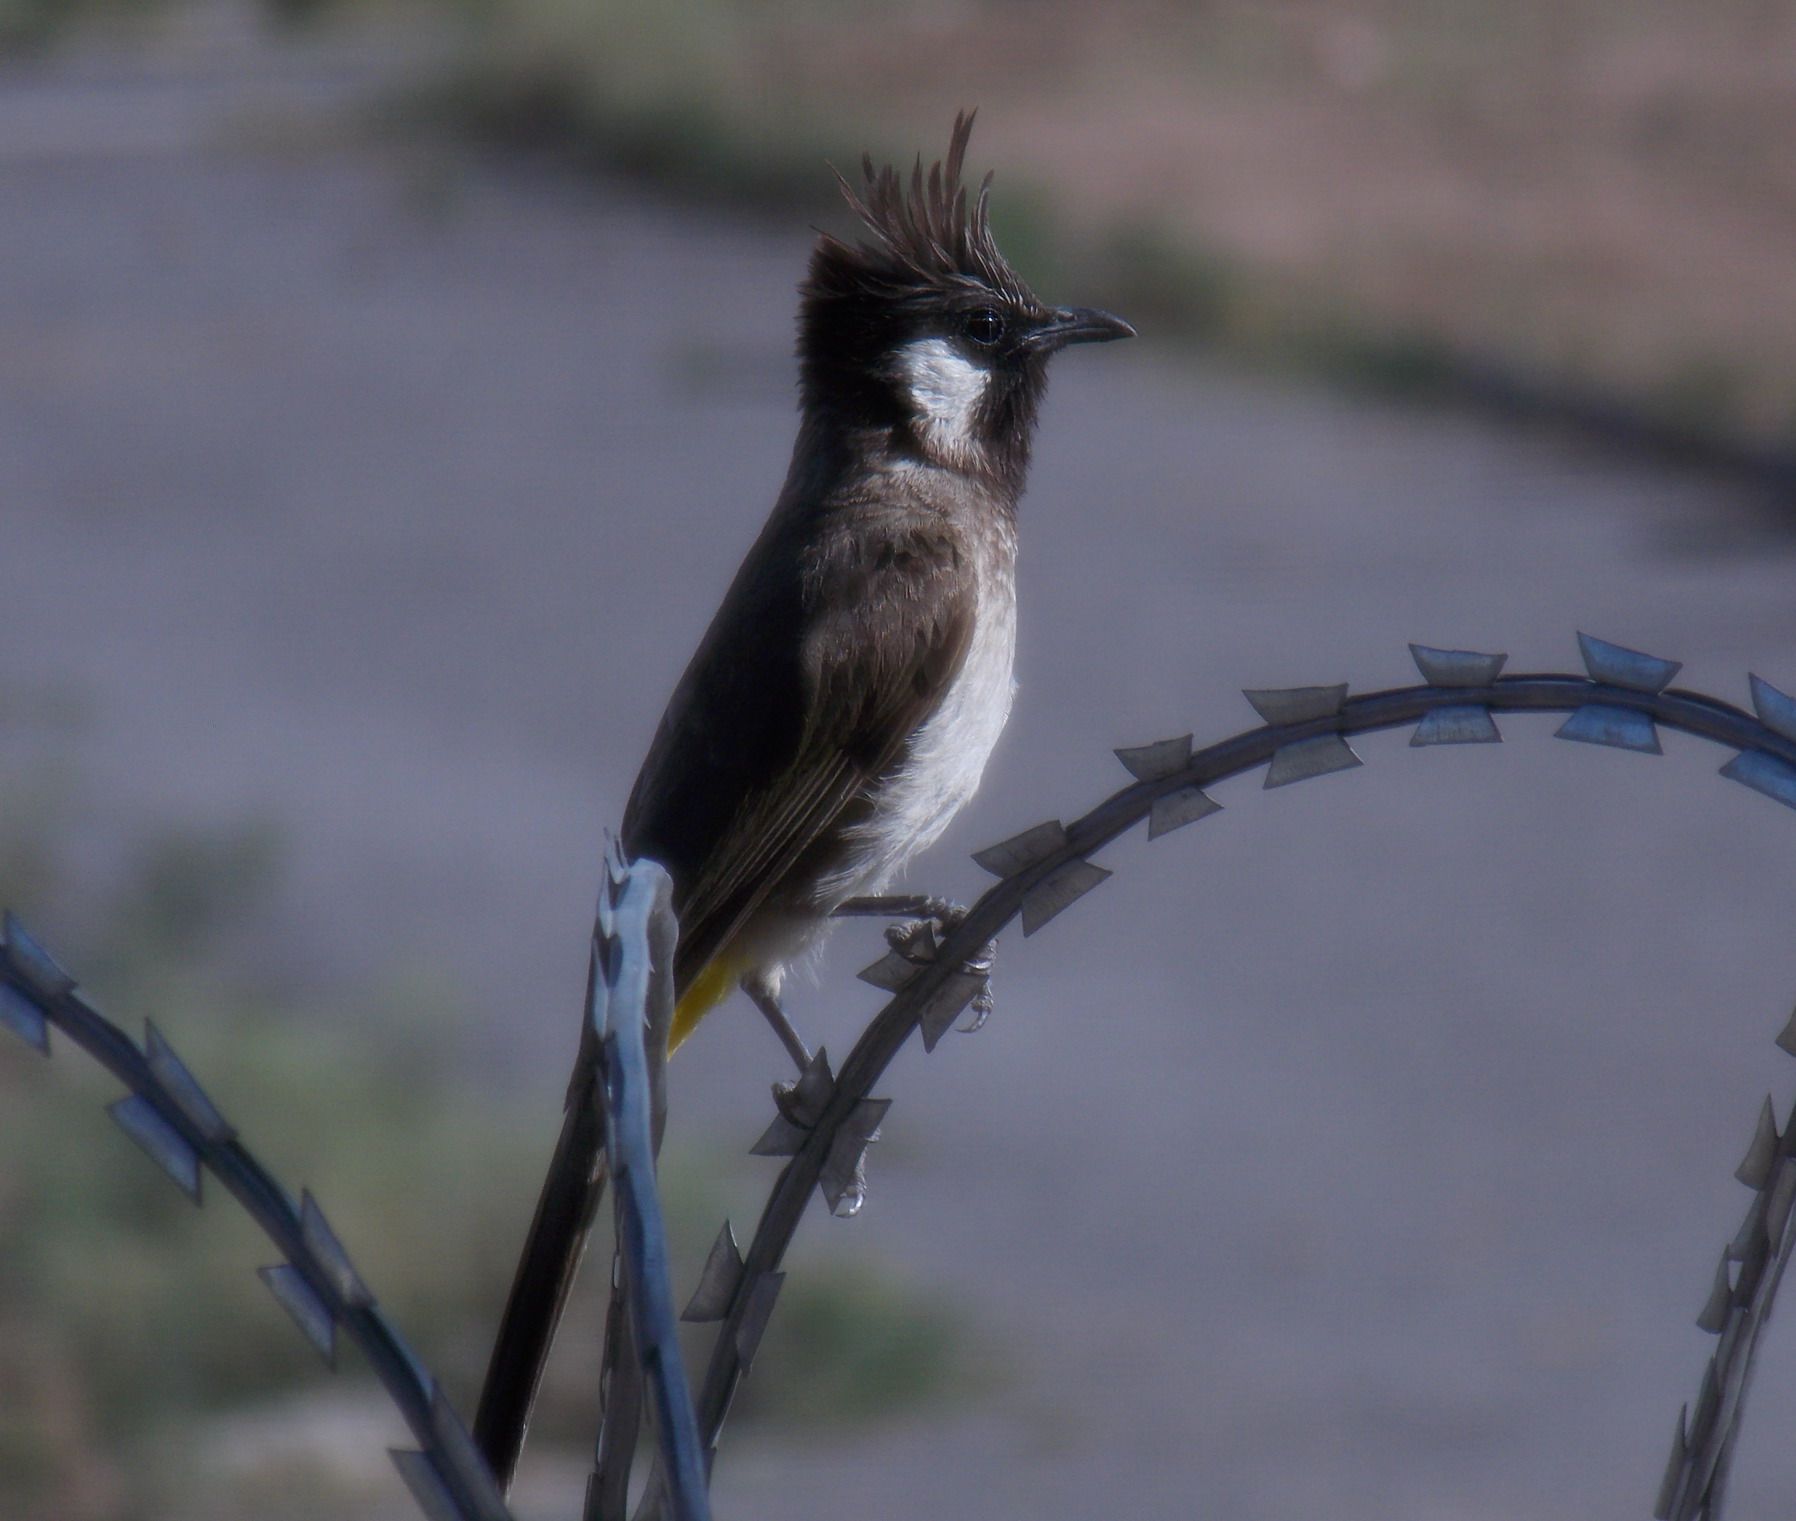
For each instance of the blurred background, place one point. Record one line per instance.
(387, 393)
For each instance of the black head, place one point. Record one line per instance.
(925, 332)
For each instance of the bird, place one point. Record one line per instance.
(842, 705)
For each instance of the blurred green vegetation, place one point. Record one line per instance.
(127, 1313)
(852, 1343)
(649, 90)
(131, 1323)
(30, 25)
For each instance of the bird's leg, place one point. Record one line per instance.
(801, 1103)
(920, 914)
(764, 999)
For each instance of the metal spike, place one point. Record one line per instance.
(309, 1312)
(1293, 705)
(1777, 1209)
(781, 1138)
(36, 967)
(1456, 668)
(718, 1283)
(1598, 724)
(1468, 725)
(1177, 809)
(943, 1006)
(24, 1018)
(1037, 843)
(1057, 891)
(804, 1101)
(426, 1484)
(1149, 763)
(1755, 1167)
(1751, 1232)
(761, 1295)
(1674, 1468)
(1622, 667)
(892, 972)
(1310, 757)
(327, 1251)
(1786, 1039)
(1763, 773)
(1714, 1311)
(1776, 710)
(180, 1085)
(168, 1148)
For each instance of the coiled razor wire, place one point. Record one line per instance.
(168, 1113)
(172, 1118)
(826, 1121)
(1620, 702)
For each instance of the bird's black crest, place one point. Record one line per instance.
(933, 237)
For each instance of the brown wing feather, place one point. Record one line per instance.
(880, 617)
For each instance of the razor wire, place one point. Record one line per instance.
(175, 1121)
(168, 1114)
(1621, 701)
(1739, 1304)
(630, 1005)
(826, 1121)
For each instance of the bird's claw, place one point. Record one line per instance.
(855, 1195)
(982, 1011)
(913, 939)
(916, 940)
(786, 1100)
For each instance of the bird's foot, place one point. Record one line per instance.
(915, 939)
(800, 1102)
(800, 1106)
(764, 999)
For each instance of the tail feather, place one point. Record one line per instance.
(552, 1251)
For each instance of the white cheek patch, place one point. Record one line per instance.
(946, 389)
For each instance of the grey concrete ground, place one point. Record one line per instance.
(1363, 1151)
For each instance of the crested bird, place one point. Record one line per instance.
(842, 705)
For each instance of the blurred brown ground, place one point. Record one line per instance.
(1595, 193)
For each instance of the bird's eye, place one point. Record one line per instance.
(985, 326)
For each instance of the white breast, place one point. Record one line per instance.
(948, 755)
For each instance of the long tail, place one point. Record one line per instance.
(552, 1252)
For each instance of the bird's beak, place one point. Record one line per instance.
(1078, 324)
